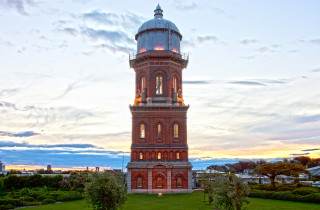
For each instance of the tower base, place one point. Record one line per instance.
(159, 177)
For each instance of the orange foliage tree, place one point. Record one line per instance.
(272, 170)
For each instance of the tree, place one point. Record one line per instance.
(105, 191)
(272, 170)
(228, 192)
(302, 160)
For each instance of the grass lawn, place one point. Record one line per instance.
(182, 201)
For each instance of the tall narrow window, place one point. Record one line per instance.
(159, 85)
(176, 131)
(178, 156)
(159, 155)
(143, 83)
(159, 131)
(139, 182)
(179, 182)
(142, 131)
(159, 182)
(174, 85)
(141, 156)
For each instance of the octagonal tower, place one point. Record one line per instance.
(159, 150)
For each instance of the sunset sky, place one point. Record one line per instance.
(253, 80)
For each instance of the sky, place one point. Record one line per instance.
(252, 82)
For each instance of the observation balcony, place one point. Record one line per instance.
(135, 58)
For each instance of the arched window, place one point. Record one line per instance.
(159, 182)
(179, 182)
(139, 182)
(142, 131)
(141, 156)
(174, 85)
(159, 131)
(159, 155)
(178, 156)
(143, 83)
(176, 131)
(159, 85)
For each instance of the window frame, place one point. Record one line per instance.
(139, 182)
(142, 131)
(175, 130)
(159, 84)
(159, 181)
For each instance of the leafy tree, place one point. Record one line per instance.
(105, 191)
(227, 191)
(302, 160)
(272, 170)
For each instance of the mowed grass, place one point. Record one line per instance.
(182, 201)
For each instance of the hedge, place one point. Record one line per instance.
(286, 195)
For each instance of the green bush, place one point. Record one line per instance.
(11, 201)
(28, 199)
(30, 203)
(48, 201)
(314, 198)
(35, 194)
(305, 191)
(24, 191)
(69, 196)
(41, 197)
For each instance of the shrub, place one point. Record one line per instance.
(69, 196)
(24, 191)
(314, 198)
(305, 191)
(31, 203)
(48, 201)
(28, 199)
(35, 194)
(41, 197)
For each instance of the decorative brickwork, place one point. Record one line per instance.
(159, 150)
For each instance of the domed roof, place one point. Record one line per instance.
(158, 22)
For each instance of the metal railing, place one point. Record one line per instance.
(184, 56)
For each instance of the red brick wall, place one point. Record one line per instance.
(134, 179)
(163, 175)
(183, 174)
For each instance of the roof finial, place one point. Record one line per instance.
(158, 12)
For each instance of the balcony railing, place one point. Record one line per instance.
(157, 53)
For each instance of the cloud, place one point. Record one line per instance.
(20, 134)
(248, 41)
(208, 38)
(107, 35)
(309, 150)
(250, 83)
(269, 49)
(184, 6)
(8, 91)
(16, 145)
(69, 31)
(116, 48)
(125, 21)
(17, 5)
(316, 70)
(7, 104)
(196, 82)
(311, 41)
(299, 154)
(307, 119)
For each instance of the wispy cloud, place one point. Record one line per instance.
(19, 134)
(250, 83)
(248, 41)
(299, 154)
(307, 119)
(309, 150)
(17, 5)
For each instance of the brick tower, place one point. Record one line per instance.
(159, 150)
